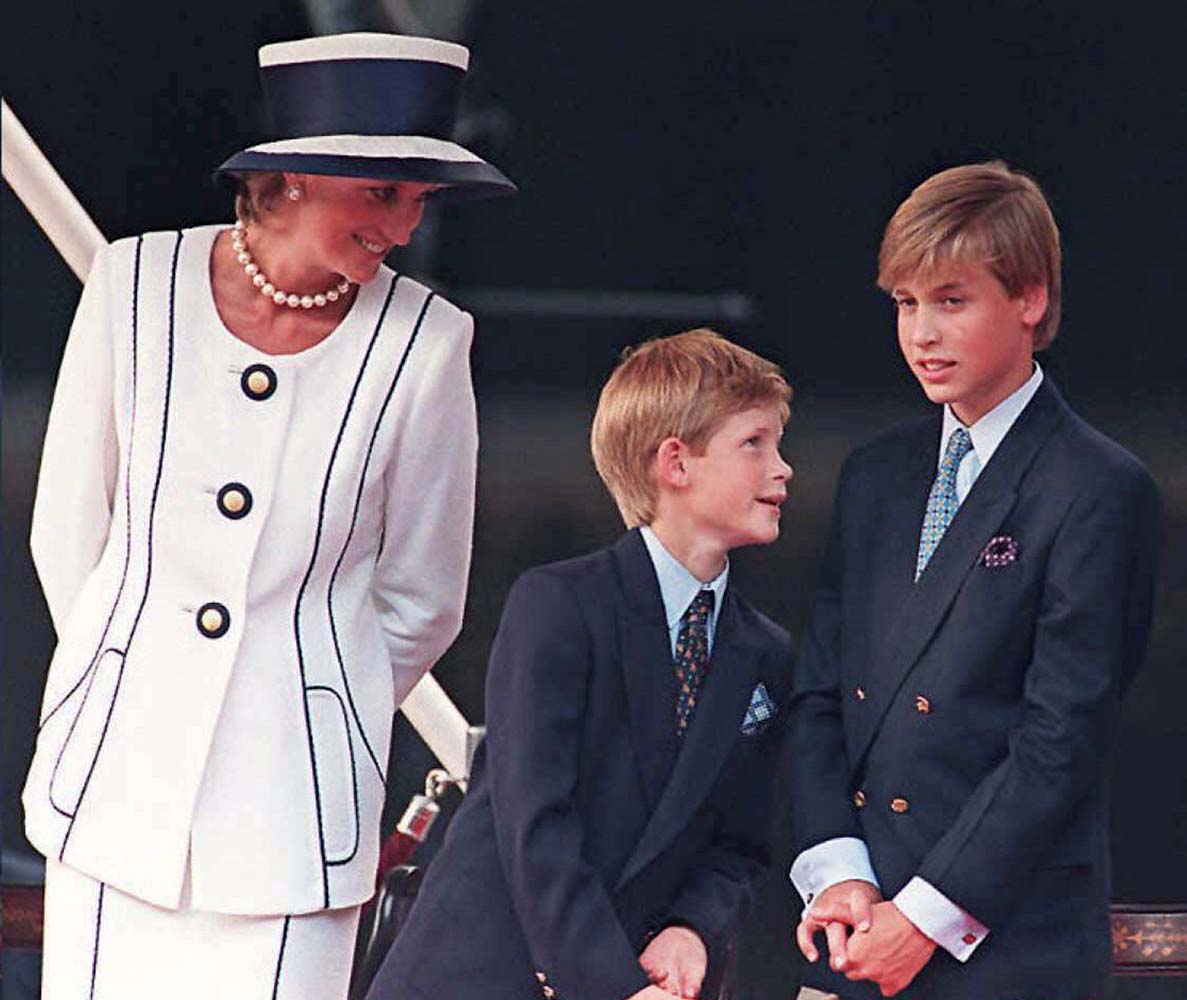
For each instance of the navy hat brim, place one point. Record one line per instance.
(462, 180)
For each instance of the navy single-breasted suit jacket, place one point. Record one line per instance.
(983, 698)
(588, 826)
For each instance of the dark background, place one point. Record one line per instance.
(748, 154)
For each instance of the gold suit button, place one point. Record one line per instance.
(540, 977)
(258, 382)
(859, 799)
(860, 693)
(213, 620)
(234, 501)
(548, 992)
(899, 805)
(922, 705)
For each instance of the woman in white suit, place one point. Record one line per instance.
(253, 528)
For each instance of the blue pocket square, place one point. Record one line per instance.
(760, 711)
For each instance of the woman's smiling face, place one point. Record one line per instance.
(348, 225)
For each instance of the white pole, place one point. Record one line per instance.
(51, 203)
(440, 724)
(60, 216)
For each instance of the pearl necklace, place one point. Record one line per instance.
(269, 290)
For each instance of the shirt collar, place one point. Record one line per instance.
(988, 432)
(677, 586)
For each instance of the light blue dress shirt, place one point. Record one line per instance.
(987, 433)
(678, 587)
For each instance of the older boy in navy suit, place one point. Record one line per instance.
(618, 807)
(985, 600)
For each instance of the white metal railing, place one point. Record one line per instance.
(76, 237)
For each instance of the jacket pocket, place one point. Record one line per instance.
(80, 748)
(334, 766)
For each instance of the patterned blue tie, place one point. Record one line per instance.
(942, 501)
(692, 656)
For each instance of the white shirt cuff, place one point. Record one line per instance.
(830, 862)
(957, 932)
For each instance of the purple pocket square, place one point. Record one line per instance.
(1000, 551)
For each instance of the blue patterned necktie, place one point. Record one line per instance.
(692, 656)
(942, 502)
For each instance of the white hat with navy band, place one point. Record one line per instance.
(368, 105)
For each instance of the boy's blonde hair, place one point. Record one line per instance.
(683, 386)
(980, 212)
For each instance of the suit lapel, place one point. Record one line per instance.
(895, 544)
(733, 669)
(648, 674)
(925, 603)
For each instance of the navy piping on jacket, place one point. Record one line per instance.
(99, 650)
(152, 510)
(354, 521)
(284, 936)
(354, 774)
(321, 516)
(89, 676)
(95, 952)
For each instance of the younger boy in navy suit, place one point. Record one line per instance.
(618, 806)
(984, 602)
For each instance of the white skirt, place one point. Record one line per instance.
(101, 944)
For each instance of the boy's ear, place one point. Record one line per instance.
(1034, 304)
(671, 467)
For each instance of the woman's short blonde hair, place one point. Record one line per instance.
(980, 212)
(683, 386)
(256, 190)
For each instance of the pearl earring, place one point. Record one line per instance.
(294, 193)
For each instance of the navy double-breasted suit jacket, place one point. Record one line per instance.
(960, 725)
(588, 826)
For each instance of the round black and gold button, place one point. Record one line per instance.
(234, 501)
(213, 620)
(258, 382)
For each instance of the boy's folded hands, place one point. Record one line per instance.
(675, 960)
(838, 908)
(891, 953)
(868, 938)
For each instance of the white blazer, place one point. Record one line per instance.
(250, 560)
